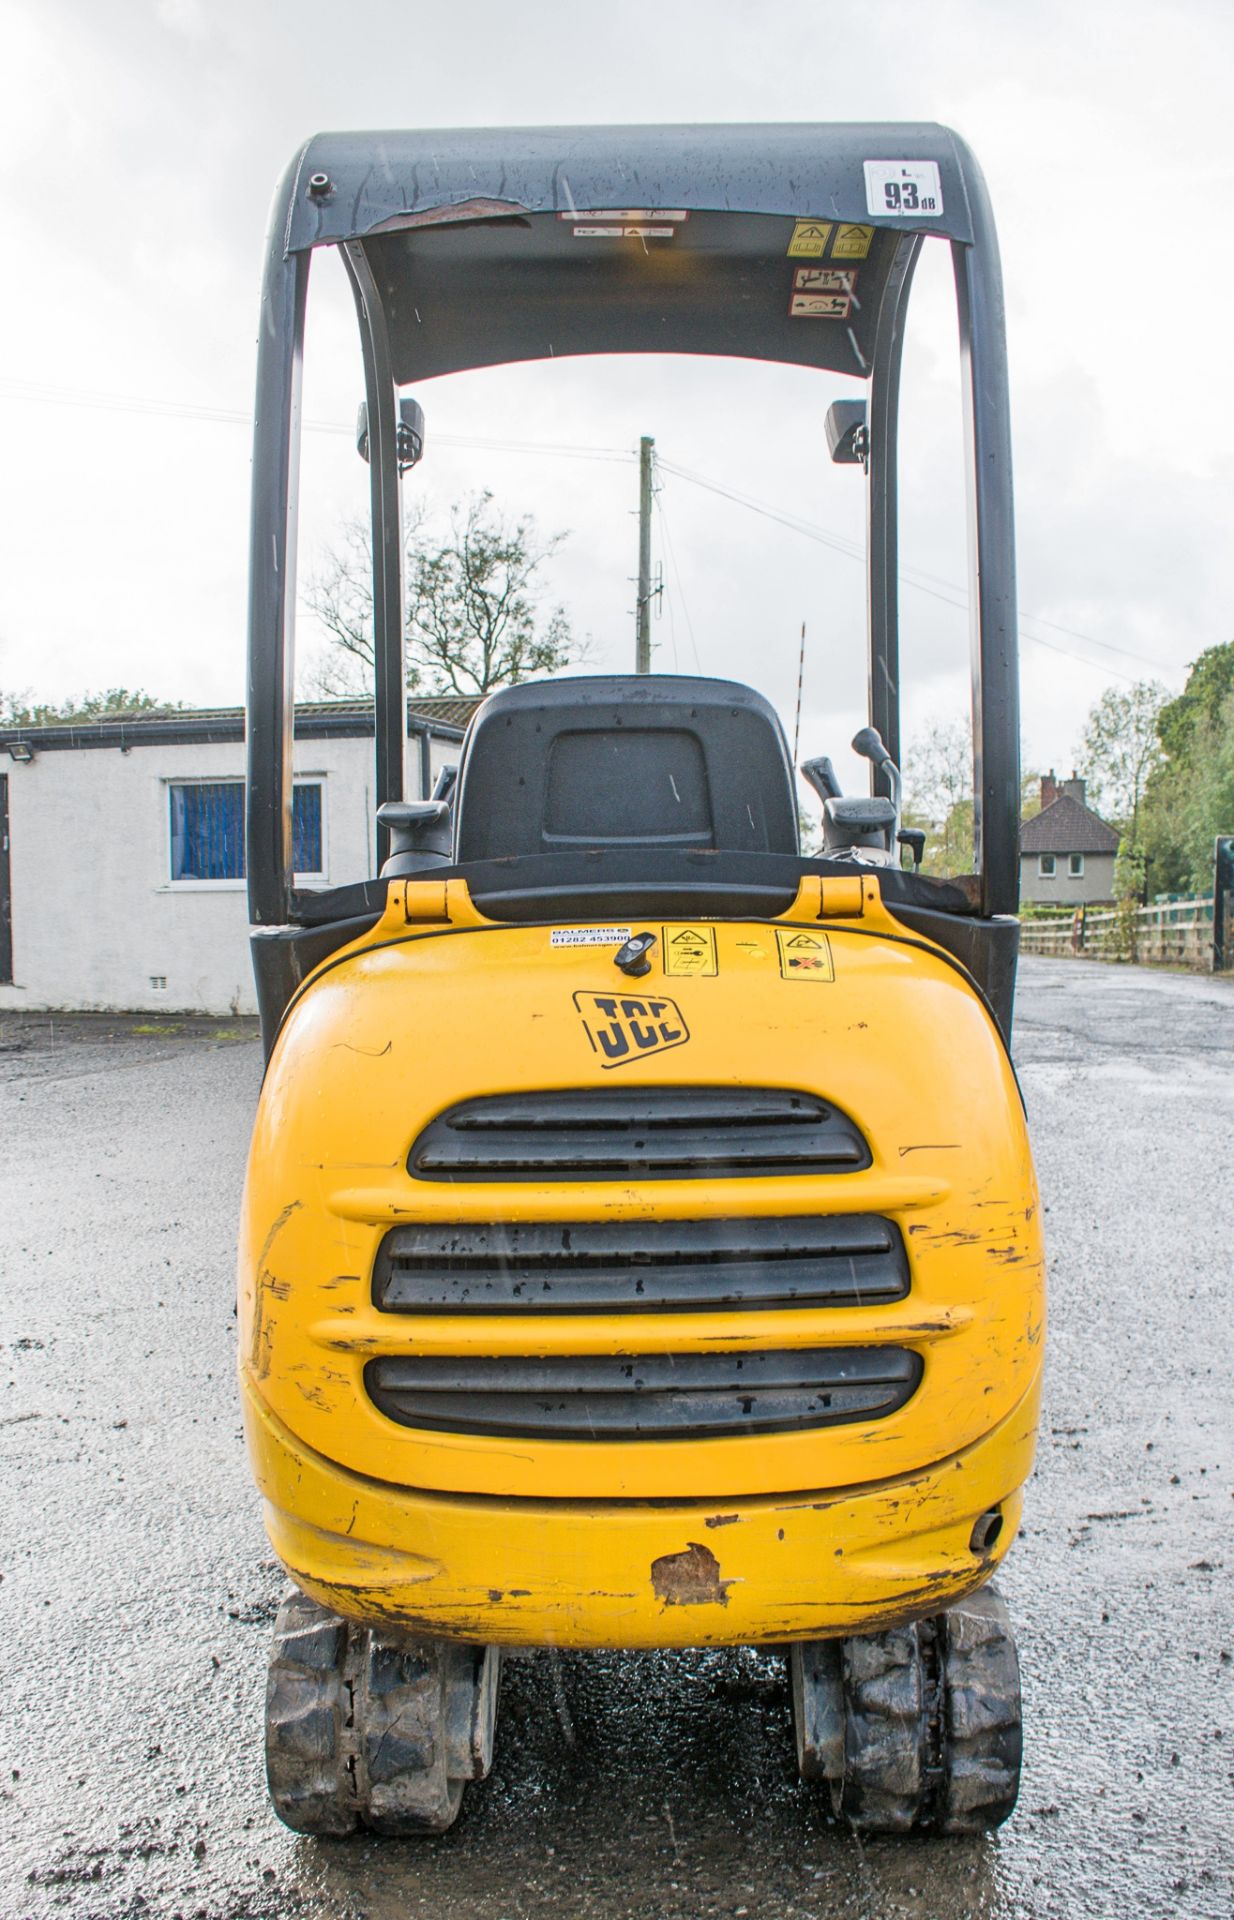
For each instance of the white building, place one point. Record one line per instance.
(122, 848)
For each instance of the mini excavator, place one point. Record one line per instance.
(640, 1243)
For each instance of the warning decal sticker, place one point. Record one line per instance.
(824, 279)
(689, 950)
(624, 233)
(851, 243)
(903, 188)
(804, 956)
(627, 214)
(809, 241)
(820, 306)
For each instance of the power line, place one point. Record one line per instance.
(671, 551)
(932, 584)
(232, 416)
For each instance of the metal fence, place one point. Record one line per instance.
(1175, 933)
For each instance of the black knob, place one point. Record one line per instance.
(632, 958)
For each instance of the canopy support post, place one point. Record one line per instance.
(272, 576)
(882, 507)
(386, 496)
(991, 545)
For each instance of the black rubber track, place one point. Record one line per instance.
(310, 1767)
(884, 1731)
(917, 1727)
(366, 1727)
(982, 1729)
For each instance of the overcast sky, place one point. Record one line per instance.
(141, 142)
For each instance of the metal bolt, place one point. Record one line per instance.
(319, 185)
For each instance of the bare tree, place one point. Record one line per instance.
(474, 619)
(1119, 750)
(938, 793)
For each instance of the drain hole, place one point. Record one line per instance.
(986, 1530)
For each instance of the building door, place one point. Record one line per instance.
(6, 898)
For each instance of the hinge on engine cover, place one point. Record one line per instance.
(834, 897)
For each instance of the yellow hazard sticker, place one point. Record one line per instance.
(689, 950)
(804, 956)
(809, 241)
(851, 243)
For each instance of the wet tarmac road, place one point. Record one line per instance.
(138, 1591)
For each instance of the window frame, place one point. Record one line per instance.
(1075, 866)
(238, 885)
(1045, 872)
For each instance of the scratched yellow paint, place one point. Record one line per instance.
(436, 1005)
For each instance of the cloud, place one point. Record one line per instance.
(147, 140)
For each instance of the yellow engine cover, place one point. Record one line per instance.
(438, 1005)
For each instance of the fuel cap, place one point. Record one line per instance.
(632, 958)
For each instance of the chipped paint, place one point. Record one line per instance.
(690, 1578)
(266, 1284)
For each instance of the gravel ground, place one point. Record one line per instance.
(137, 1590)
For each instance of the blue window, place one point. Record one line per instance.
(207, 829)
(306, 829)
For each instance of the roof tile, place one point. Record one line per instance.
(1067, 827)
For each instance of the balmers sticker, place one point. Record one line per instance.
(589, 936)
(622, 1028)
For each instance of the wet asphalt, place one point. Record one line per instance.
(137, 1590)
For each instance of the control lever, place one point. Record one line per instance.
(822, 777)
(868, 742)
(914, 839)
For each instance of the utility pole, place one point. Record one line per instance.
(642, 610)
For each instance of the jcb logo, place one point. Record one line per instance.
(622, 1029)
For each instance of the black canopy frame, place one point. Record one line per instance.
(412, 212)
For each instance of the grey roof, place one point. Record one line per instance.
(445, 715)
(1067, 827)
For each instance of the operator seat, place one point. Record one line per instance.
(654, 762)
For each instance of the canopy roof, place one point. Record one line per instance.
(772, 243)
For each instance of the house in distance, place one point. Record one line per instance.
(1066, 851)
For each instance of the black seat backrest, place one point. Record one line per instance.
(624, 761)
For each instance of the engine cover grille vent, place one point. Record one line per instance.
(657, 1133)
(654, 1396)
(641, 1266)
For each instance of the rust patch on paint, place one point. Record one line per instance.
(689, 1579)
